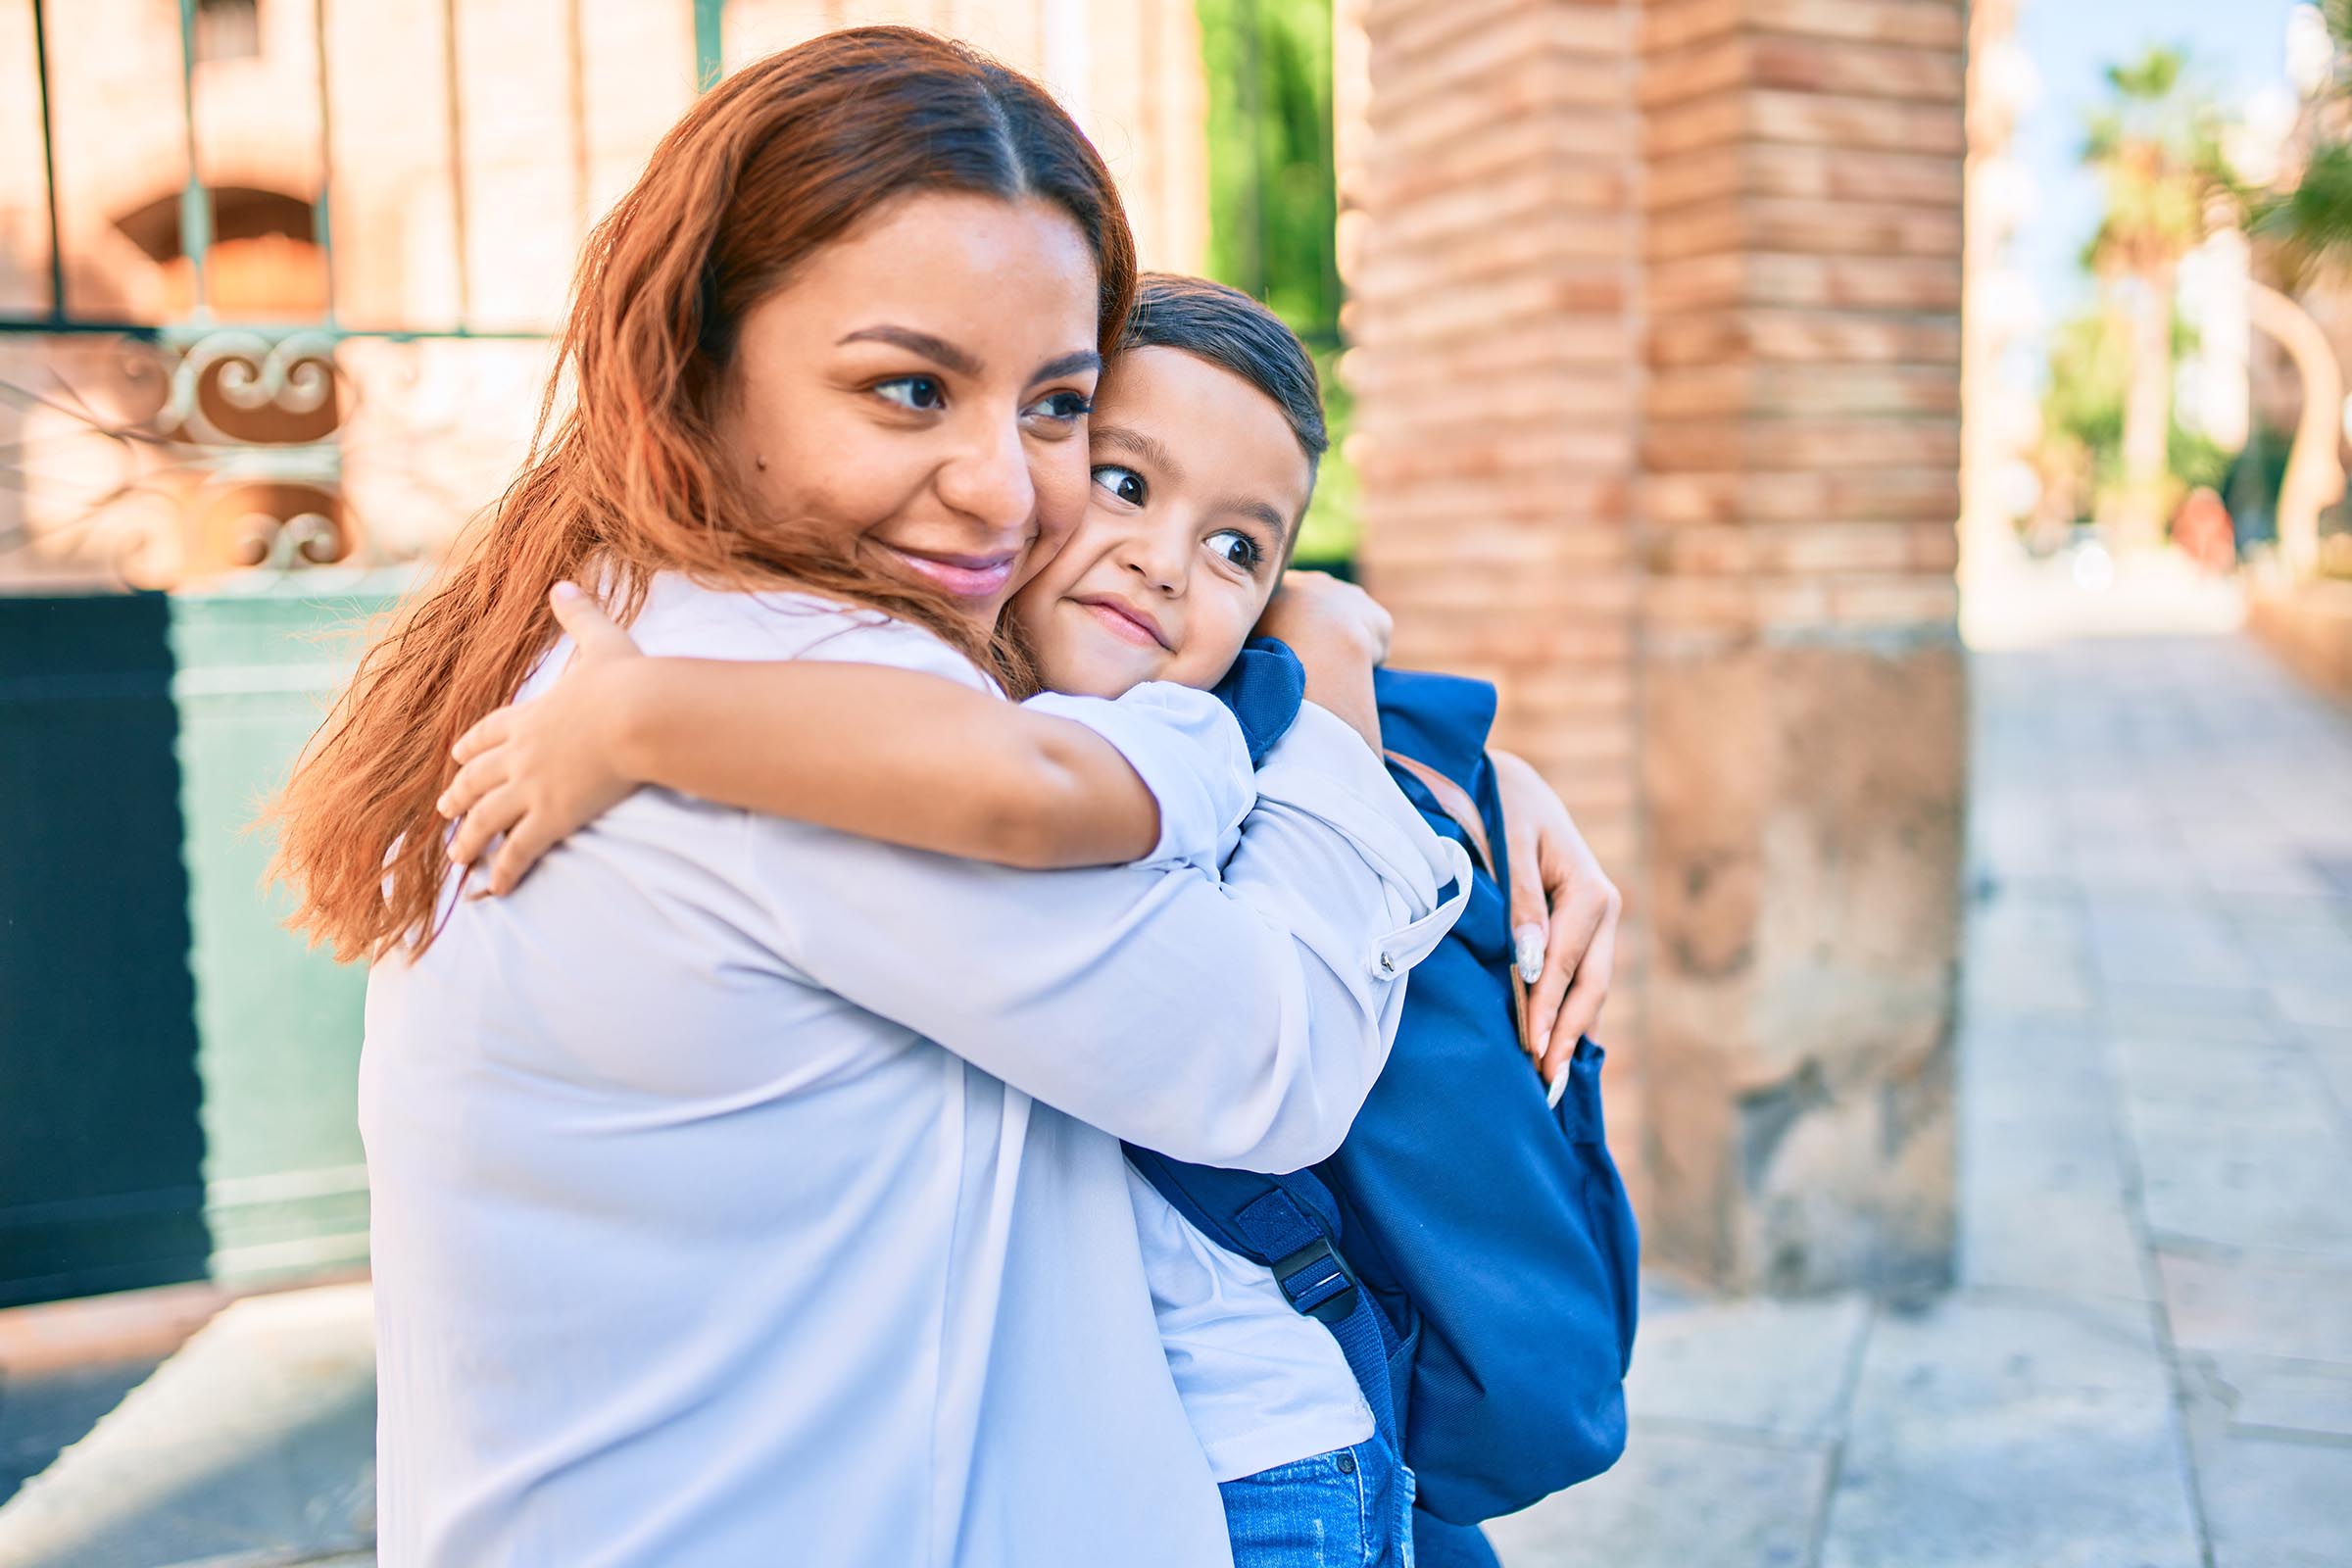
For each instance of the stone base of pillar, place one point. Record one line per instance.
(1804, 838)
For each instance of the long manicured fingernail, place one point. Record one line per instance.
(1526, 943)
(1559, 1087)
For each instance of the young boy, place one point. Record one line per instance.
(1205, 440)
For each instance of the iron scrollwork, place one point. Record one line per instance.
(175, 457)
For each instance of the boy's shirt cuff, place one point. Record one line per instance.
(1188, 748)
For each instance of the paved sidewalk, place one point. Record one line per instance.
(2149, 1358)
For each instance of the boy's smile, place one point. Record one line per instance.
(1199, 483)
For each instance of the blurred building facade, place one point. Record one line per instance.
(412, 184)
(1655, 315)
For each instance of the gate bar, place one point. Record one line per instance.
(322, 228)
(195, 202)
(56, 244)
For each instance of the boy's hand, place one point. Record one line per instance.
(1318, 609)
(1339, 632)
(541, 772)
(1564, 912)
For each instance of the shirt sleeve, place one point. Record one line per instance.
(1237, 1025)
(1327, 807)
(1190, 752)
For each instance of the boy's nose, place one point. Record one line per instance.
(1159, 558)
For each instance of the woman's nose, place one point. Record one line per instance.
(989, 480)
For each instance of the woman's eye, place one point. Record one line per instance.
(922, 393)
(1064, 406)
(1125, 483)
(1236, 549)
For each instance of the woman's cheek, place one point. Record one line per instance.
(1062, 476)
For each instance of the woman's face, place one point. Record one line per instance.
(921, 386)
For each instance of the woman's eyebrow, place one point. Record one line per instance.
(1146, 447)
(937, 350)
(1067, 365)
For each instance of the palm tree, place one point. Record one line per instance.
(2157, 151)
(2312, 222)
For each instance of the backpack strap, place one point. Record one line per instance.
(1287, 1224)
(1454, 801)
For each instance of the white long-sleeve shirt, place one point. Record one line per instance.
(747, 1193)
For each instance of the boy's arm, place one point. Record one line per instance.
(892, 754)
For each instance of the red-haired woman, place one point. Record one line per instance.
(745, 1193)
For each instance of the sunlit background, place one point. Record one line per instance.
(1889, 454)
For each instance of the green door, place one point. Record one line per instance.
(277, 1025)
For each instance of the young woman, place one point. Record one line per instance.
(748, 1193)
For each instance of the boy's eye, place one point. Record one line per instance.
(1236, 549)
(1062, 406)
(922, 393)
(1125, 483)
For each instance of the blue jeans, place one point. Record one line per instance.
(1348, 1508)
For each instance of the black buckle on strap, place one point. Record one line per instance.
(1316, 1281)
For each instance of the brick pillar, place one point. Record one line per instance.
(1802, 707)
(1656, 306)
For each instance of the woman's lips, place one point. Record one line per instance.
(964, 576)
(1122, 625)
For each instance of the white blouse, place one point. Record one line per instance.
(747, 1193)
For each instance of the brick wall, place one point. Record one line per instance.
(1655, 313)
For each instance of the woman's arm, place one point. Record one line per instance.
(1236, 1025)
(896, 754)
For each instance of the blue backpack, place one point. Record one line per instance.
(1470, 1246)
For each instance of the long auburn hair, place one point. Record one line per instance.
(629, 479)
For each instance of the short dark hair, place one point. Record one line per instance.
(1234, 332)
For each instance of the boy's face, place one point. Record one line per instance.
(1198, 482)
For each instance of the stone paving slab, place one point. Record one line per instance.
(2268, 1084)
(2296, 1308)
(2237, 1184)
(1991, 1431)
(1680, 1499)
(2267, 1499)
(1782, 1369)
(2269, 1396)
(2071, 1240)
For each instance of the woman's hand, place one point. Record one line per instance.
(1564, 912)
(1339, 632)
(540, 772)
